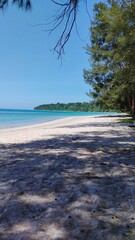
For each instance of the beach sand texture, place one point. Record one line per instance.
(70, 179)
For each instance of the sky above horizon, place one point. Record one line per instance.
(30, 73)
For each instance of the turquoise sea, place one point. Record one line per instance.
(13, 118)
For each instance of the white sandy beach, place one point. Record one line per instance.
(68, 179)
(50, 129)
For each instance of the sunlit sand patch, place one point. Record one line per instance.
(93, 201)
(128, 143)
(54, 232)
(27, 198)
(4, 186)
(21, 227)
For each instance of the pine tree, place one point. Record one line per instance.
(112, 55)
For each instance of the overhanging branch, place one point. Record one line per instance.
(65, 18)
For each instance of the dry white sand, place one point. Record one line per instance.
(69, 125)
(68, 179)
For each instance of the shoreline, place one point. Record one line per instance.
(46, 129)
(16, 123)
(40, 124)
(30, 125)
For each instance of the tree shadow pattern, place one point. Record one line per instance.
(78, 186)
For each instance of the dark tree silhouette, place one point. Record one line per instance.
(66, 17)
(21, 3)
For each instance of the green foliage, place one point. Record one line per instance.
(75, 107)
(112, 55)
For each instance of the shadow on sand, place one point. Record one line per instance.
(69, 187)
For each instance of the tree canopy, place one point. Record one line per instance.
(78, 106)
(112, 55)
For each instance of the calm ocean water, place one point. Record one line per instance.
(13, 118)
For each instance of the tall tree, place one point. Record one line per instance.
(112, 55)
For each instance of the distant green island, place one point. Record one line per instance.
(75, 107)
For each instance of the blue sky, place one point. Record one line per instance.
(30, 73)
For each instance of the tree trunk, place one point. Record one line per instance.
(129, 103)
